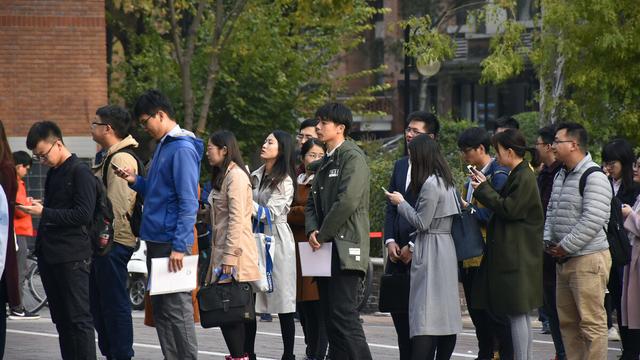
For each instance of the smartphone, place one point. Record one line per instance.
(116, 167)
(383, 189)
(472, 169)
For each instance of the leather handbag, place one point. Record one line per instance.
(228, 303)
(466, 233)
(394, 293)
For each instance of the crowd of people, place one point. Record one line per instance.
(546, 211)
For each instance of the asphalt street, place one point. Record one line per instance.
(37, 339)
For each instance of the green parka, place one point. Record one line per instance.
(510, 276)
(338, 205)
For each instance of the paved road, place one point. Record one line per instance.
(37, 339)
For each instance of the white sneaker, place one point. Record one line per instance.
(613, 334)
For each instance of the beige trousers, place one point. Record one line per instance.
(580, 287)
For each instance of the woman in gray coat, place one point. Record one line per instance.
(273, 190)
(434, 302)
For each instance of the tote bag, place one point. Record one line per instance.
(466, 233)
(265, 246)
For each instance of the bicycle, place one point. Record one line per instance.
(33, 296)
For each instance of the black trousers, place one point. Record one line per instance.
(401, 319)
(427, 347)
(490, 330)
(312, 321)
(338, 301)
(67, 289)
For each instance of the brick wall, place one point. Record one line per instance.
(52, 63)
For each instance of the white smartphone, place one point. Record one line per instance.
(472, 169)
(116, 167)
(383, 189)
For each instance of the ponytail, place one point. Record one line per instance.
(514, 140)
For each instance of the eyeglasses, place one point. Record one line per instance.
(466, 150)
(38, 157)
(314, 155)
(413, 131)
(556, 141)
(143, 122)
(541, 143)
(96, 124)
(304, 136)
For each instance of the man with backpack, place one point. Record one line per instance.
(575, 236)
(63, 243)
(110, 304)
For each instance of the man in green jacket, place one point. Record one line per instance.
(338, 212)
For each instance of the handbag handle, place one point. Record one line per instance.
(455, 197)
(267, 214)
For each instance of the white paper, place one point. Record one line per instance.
(164, 282)
(315, 263)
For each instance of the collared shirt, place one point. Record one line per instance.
(330, 153)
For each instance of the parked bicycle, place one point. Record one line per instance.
(34, 297)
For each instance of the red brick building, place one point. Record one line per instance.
(53, 67)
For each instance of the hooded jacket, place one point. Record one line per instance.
(170, 191)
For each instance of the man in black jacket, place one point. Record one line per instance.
(62, 245)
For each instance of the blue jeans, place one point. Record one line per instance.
(110, 304)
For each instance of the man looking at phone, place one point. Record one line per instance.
(110, 304)
(396, 227)
(474, 144)
(170, 191)
(62, 245)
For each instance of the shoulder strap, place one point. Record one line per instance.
(585, 174)
(107, 162)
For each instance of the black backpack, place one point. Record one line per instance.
(100, 229)
(619, 244)
(135, 219)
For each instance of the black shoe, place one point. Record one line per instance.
(23, 315)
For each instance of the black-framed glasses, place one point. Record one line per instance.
(38, 157)
(143, 122)
(414, 131)
(541, 143)
(96, 124)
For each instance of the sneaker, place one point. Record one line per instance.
(266, 318)
(545, 328)
(613, 334)
(23, 315)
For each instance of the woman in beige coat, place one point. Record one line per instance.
(234, 250)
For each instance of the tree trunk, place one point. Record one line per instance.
(557, 91)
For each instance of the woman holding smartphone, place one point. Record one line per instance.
(233, 250)
(513, 255)
(434, 301)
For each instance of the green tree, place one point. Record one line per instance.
(267, 64)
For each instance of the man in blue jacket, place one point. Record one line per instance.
(170, 192)
(474, 144)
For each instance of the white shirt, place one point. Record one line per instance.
(330, 153)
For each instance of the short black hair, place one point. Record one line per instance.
(22, 158)
(43, 131)
(430, 121)
(337, 113)
(152, 101)
(507, 122)
(547, 134)
(577, 132)
(473, 137)
(308, 123)
(117, 117)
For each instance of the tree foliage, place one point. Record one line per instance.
(274, 63)
(586, 54)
